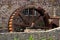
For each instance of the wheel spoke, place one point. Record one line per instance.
(22, 19)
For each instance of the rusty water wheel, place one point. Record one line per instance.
(28, 17)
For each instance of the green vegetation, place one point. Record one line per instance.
(50, 38)
(31, 37)
(15, 38)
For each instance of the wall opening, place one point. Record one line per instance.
(31, 18)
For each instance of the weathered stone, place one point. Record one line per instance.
(7, 7)
(54, 34)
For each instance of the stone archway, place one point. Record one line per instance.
(29, 20)
(19, 16)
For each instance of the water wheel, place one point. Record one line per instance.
(28, 17)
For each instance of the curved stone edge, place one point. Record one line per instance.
(54, 34)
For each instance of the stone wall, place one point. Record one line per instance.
(7, 7)
(53, 34)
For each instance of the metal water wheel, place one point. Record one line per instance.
(27, 17)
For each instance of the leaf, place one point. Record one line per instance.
(50, 38)
(31, 37)
(16, 38)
